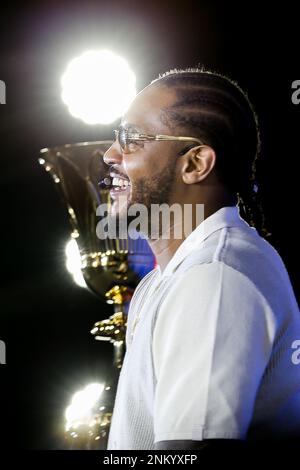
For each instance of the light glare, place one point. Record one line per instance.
(73, 262)
(98, 87)
(81, 407)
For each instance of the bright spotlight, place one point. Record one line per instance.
(98, 87)
(80, 410)
(73, 262)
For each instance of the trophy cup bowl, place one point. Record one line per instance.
(77, 171)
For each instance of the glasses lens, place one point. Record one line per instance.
(123, 138)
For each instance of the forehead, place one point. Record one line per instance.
(147, 108)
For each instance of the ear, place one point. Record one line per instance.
(198, 162)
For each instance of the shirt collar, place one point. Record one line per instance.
(228, 216)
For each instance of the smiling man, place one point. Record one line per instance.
(210, 329)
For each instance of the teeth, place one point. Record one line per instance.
(120, 183)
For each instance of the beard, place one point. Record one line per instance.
(148, 191)
(153, 190)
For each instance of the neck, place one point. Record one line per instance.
(164, 248)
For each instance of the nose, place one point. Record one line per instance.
(112, 155)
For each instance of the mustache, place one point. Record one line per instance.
(113, 169)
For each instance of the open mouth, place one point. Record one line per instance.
(115, 183)
(119, 183)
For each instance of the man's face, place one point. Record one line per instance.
(148, 170)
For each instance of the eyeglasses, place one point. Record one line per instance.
(124, 137)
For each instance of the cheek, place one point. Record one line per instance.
(152, 160)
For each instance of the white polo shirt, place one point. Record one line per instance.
(211, 354)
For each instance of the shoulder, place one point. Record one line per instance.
(213, 281)
(215, 297)
(243, 250)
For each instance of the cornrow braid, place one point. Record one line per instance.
(215, 109)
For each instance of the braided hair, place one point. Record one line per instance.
(215, 109)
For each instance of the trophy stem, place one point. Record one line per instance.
(113, 329)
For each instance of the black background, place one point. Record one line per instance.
(45, 318)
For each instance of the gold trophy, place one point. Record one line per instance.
(77, 170)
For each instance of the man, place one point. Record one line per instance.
(211, 330)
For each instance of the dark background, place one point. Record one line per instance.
(45, 318)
